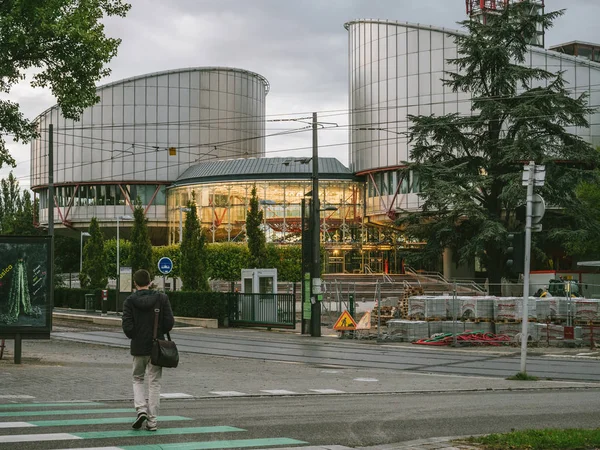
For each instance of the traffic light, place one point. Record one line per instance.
(515, 252)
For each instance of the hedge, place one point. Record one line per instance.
(206, 305)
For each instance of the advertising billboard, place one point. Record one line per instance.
(25, 301)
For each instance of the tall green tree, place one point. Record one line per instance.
(17, 212)
(193, 252)
(25, 217)
(66, 254)
(470, 166)
(141, 247)
(256, 236)
(11, 203)
(110, 250)
(93, 275)
(63, 43)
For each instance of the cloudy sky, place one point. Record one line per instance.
(300, 46)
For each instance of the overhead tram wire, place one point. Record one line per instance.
(378, 126)
(324, 113)
(371, 141)
(172, 165)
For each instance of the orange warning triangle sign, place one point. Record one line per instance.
(345, 322)
(365, 322)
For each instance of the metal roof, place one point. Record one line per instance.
(293, 168)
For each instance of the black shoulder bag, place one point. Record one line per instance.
(164, 353)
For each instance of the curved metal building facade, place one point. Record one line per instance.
(141, 136)
(395, 69)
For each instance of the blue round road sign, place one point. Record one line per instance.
(165, 265)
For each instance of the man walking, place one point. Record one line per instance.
(138, 325)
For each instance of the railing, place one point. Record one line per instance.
(262, 310)
(439, 278)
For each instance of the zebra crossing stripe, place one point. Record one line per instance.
(46, 405)
(16, 396)
(114, 434)
(15, 425)
(239, 443)
(64, 412)
(100, 421)
(159, 432)
(228, 393)
(236, 443)
(38, 437)
(278, 392)
(328, 391)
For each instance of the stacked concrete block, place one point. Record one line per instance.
(435, 327)
(485, 308)
(408, 330)
(587, 332)
(471, 307)
(427, 307)
(511, 308)
(467, 307)
(449, 326)
(549, 332)
(484, 327)
(513, 330)
(551, 308)
(586, 310)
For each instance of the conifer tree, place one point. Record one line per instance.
(93, 274)
(470, 166)
(256, 237)
(193, 252)
(140, 256)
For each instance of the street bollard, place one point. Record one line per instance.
(104, 302)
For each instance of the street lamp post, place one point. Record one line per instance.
(315, 316)
(86, 234)
(182, 209)
(119, 263)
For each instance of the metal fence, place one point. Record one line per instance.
(262, 310)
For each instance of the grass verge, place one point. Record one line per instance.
(549, 439)
(522, 376)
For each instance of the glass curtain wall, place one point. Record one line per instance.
(222, 208)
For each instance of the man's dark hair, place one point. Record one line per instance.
(141, 278)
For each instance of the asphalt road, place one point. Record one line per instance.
(333, 352)
(348, 420)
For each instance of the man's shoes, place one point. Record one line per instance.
(151, 427)
(141, 418)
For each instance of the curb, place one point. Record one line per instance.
(116, 321)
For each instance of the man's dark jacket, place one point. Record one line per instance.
(138, 319)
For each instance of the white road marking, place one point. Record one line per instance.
(39, 437)
(330, 371)
(176, 395)
(228, 393)
(366, 379)
(94, 448)
(278, 392)
(16, 396)
(328, 391)
(16, 425)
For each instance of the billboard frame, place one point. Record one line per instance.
(29, 332)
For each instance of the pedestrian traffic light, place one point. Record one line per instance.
(515, 252)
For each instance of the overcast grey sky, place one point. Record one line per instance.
(300, 46)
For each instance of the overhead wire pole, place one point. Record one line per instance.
(315, 318)
(50, 215)
(526, 269)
